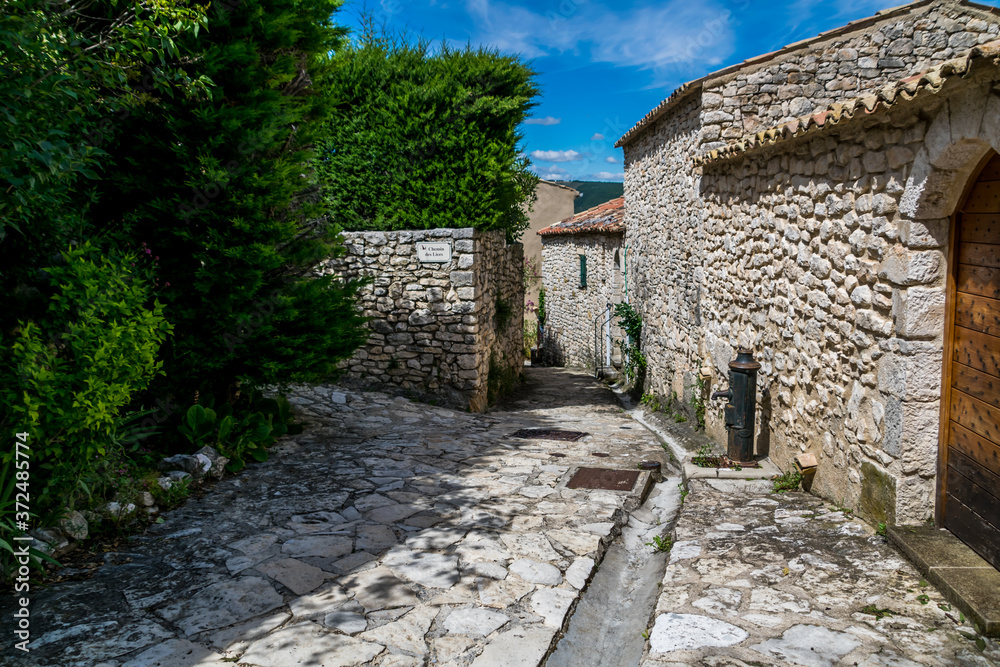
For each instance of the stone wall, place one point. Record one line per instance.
(436, 326)
(827, 256)
(571, 310)
(823, 72)
(665, 235)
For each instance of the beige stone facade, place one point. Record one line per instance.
(555, 202)
(580, 329)
(761, 214)
(450, 330)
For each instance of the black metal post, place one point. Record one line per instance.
(741, 405)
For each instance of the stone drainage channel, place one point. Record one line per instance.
(608, 624)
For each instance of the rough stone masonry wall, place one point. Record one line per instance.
(433, 326)
(570, 309)
(664, 221)
(826, 255)
(813, 77)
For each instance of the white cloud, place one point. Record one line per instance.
(557, 156)
(607, 176)
(611, 160)
(555, 170)
(554, 177)
(548, 120)
(597, 137)
(672, 33)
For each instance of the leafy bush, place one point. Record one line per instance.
(541, 313)
(424, 138)
(66, 376)
(240, 433)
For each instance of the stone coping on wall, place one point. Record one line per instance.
(905, 90)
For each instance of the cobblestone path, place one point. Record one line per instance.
(758, 578)
(398, 534)
(389, 533)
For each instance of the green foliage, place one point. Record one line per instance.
(11, 481)
(788, 481)
(222, 191)
(698, 402)
(541, 313)
(70, 72)
(65, 376)
(660, 544)
(530, 337)
(880, 530)
(704, 458)
(172, 496)
(422, 138)
(631, 323)
(501, 380)
(242, 432)
(879, 614)
(503, 314)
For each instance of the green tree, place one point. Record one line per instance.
(423, 139)
(221, 190)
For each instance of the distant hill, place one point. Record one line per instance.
(594, 193)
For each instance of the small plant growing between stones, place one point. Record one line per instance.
(880, 530)
(684, 492)
(923, 598)
(698, 402)
(704, 458)
(645, 633)
(879, 614)
(679, 418)
(788, 481)
(660, 544)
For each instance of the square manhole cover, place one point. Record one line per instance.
(547, 434)
(603, 478)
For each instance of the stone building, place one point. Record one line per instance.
(583, 266)
(446, 316)
(833, 207)
(554, 202)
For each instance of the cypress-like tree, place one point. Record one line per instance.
(221, 192)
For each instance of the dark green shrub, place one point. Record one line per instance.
(421, 139)
(65, 377)
(221, 189)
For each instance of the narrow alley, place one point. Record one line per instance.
(395, 533)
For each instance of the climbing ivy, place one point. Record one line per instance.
(631, 323)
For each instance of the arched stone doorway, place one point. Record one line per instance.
(969, 464)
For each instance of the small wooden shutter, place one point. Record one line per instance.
(583, 270)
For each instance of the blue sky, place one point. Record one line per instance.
(602, 65)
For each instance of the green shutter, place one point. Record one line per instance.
(583, 270)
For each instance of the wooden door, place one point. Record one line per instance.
(972, 396)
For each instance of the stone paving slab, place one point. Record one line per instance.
(758, 578)
(388, 533)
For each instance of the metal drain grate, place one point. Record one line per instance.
(547, 434)
(603, 478)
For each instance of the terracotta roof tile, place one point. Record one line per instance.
(931, 81)
(606, 218)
